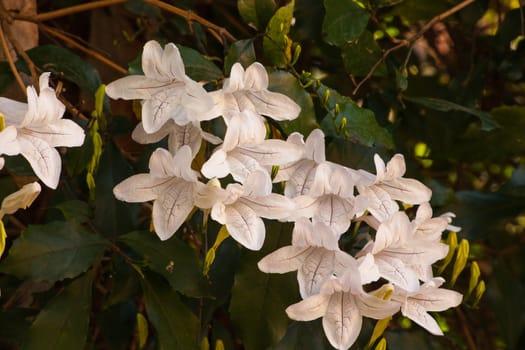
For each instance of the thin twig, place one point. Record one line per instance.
(9, 58)
(21, 52)
(410, 42)
(82, 48)
(71, 10)
(218, 32)
(466, 330)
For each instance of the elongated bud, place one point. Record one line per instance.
(296, 53)
(337, 109)
(379, 329)
(275, 170)
(219, 345)
(3, 236)
(461, 260)
(480, 290)
(474, 277)
(210, 255)
(343, 123)
(326, 96)
(205, 344)
(452, 242)
(381, 345)
(142, 327)
(2, 122)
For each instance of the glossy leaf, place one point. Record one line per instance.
(75, 210)
(256, 13)
(63, 322)
(241, 51)
(361, 54)
(197, 66)
(276, 44)
(304, 335)
(344, 21)
(176, 326)
(286, 83)
(173, 259)
(53, 252)
(258, 299)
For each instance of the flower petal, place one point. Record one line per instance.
(135, 87)
(419, 315)
(317, 268)
(335, 212)
(256, 77)
(244, 225)
(315, 147)
(285, 259)
(376, 308)
(62, 132)
(397, 272)
(140, 188)
(309, 309)
(342, 321)
(274, 105)
(44, 159)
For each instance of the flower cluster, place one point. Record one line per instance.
(322, 198)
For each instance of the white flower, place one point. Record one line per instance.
(342, 303)
(314, 253)
(242, 102)
(165, 90)
(240, 208)
(40, 128)
(171, 183)
(190, 134)
(397, 250)
(429, 297)
(388, 186)
(8, 143)
(20, 199)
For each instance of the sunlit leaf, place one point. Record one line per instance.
(344, 21)
(361, 54)
(256, 13)
(276, 44)
(241, 51)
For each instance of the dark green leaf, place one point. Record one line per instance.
(384, 3)
(286, 83)
(304, 335)
(173, 259)
(344, 21)
(276, 44)
(111, 216)
(63, 322)
(66, 65)
(117, 323)
(487, 121)
(361, 54)
(75, 210)
(177, 327)
(14, 325)
(359, 125)
(259, 299)
(197, 66)
(53, 252)
(256, 13)
(241, 51)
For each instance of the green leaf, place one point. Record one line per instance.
(240, 51)
(487, 121)
(66, 65)
(304, 335)
(361, 54)
(258, 299)
(384, 3)
(177, 327)
(347, 120)
(256, 13)
(75, 210)
(173, 259)
(287, 84)
(111, 216)
(344, 21)
(276, 44)
(197, 66)
(63, 322)
(53, 252)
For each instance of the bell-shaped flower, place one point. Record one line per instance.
(165, 89)
(40, 128)
(8, 142)
(241, 207)
(388, 185)
(20, 199)
(397, 250)
(416, 305)
(190, 134)
(314, 253)
(244, 99)
(342, 303)
(171, 184)
(244, 159)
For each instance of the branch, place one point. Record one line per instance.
(46, 16)
(82, 48)
(9, 58)
(410, 42)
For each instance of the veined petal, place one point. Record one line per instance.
(140, 188)
(182, 163)
(8, 142)
(309, 309)
(246, 127)
(196, 99)
(396, 166)
(151, 60)
(335, 212)
(135, 87)
(331, 178)
(306, 206)
(161, 164)
(171, 64)
(376, 308)
(392, 232)
(272, 206)
(406, 190)
(317, 267)
(44, 159)
(284, 259)
(162, 106)
(419, 315)
(436, 299)
(208, 195)
(256, 77)
(235, 81)
(301, 180)
(216, 165)
(257, 184)
(241, 166)
(397, 272)
(244, 225)
(342, 321)
(272, 152)
(141, 136)
(380, 205)
(13, 111)
(314, 146)
(62, 132)
(274, 105)
(171, 208)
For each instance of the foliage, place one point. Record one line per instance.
(442, 84)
